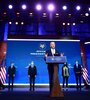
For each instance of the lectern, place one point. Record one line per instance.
(56, 90)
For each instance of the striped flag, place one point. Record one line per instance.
(3, 72)
(85, 75)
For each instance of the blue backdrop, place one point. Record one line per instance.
(23, 52)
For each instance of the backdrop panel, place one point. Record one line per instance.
(22, 52)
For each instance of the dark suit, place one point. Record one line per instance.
(65, 77)
(11, 73)
(32, 72)
(51, 68)
(78, 73)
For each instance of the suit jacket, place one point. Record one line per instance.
(50, 54)
(77, 70)
(11, 71)
(32, 71)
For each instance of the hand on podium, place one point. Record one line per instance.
(46, 54)
(62, 54)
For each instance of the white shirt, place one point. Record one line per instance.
(52, 51)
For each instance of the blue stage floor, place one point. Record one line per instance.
(43, 94)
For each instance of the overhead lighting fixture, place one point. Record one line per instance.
(4, 13)
(10, 6)
(86, 14)
(78, 8)
(16, 23)
(89, 8)
(22, 23)
(57, 14)
(68, 24)
(24, 6)
(64, 24)
(44, 15)
(74, 24)
(51, 7)
(64, 7)
(30, 14)
(10, 22)
(81, 21)
(38, 7)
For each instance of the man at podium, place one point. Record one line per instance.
(51, 52)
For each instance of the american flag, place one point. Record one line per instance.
(85, 75)
(3, 72)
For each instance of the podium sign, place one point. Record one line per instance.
(56, 59)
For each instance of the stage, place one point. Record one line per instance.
(43, 94)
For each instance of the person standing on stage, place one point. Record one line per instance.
(32, 72)
(65, 74)
(78, 73)
(51, 52)
(11, 74)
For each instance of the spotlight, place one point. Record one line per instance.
(64, 7)
(51, 7)
(86, 14)
(22, 23)
(81, 21)
(44, 15)
(63, 23)
(78, 8)
(74, 24)
(10, 6)
(4, 13)
(30, 14)
(24, 6)
(16, 23)
(89, 8)
(57, 14)
(38, 7)
(18, 13)
(68, 24)
(10, 22)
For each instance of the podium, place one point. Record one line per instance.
(56, 89)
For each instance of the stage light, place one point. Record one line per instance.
(18, 13)
(16, 23)
(86, 14)
(10, 22)
(38, 7)
(63, 23)
(24, 6)
(89, 8)
(64, 7)
(68, 24)
(57, 14)
(4, 13)
(74, 24)
(10, 6)
(78, 8)
(22, 23)
(30, 14)
(51, 7)
(44, 15)
(81, 21)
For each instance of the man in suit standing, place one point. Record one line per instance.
(78, 73)
(32, 72)
(11, 73)
(65, 74)
(51, 52)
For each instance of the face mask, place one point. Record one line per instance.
(76, 63)
(32, 64)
